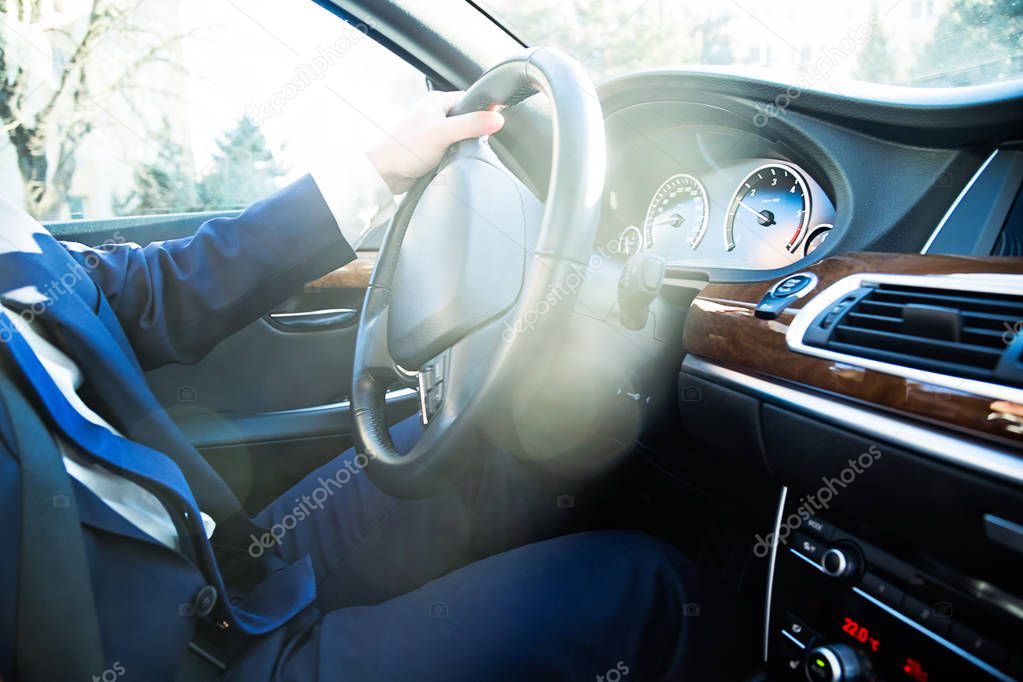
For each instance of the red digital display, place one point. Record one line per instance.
(860, 633)
(914, 669)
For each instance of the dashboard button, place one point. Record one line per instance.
(924, 614)
(979, 645)
(797, 628)
(809, 547)
(791, 655)
(882, 590)
(770, 307)
(792, 285)
(819, 527)
(784, 293)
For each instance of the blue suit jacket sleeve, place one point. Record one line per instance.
(179, 298)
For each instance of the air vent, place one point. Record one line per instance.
(969, 334)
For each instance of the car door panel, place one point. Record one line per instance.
(269, 403)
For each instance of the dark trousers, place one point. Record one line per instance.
(478, 583)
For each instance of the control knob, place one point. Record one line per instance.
(837, 663)
(840, 562)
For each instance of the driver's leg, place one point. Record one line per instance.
(606, 606)
(367, 546)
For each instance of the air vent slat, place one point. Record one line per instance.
(988, 338)
(881, 308)
(947, 331)
(899, 359)
(985, 337)
(967, 302)
(991, 320)
(946, 351)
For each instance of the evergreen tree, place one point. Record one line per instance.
(165, 185)
(874, 63)
(976, 41)
(244, 169)
(715, 43)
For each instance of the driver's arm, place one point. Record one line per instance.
(179, 298)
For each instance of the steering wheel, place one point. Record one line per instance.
(473, 275)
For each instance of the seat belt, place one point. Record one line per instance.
(57, 624)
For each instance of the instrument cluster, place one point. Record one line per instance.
(717, 205)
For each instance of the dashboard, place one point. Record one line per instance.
(712, 196)
(869, 220)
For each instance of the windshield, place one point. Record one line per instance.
(817, 43)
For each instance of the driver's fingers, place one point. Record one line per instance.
(448, 100)
(474, 124)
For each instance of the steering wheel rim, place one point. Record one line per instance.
(562, 247)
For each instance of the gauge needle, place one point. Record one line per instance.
(675, 220)
(766, 219)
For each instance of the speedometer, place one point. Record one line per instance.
(771, 208)
(679, 206)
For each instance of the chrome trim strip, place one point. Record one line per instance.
(685, 282)
(1010, 536)
(994, 283)
(968, 454)
(794, 640)
(962, 653)
(310, 313)
(771, 560)
(423, 416)
(958, 199)
(808, 560)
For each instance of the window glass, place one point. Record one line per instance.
(116, 107)
(816, 44)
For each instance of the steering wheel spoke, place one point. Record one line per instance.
(375, 357)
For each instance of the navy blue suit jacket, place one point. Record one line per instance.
(122, 309)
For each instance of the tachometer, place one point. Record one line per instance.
(679, 205)
(771, 206)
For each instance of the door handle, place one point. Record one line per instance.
(314, 320)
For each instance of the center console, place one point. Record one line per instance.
(843, 609)
(884, 395)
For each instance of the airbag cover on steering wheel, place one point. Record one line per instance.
(463, 256)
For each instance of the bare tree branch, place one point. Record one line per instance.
(68, 114)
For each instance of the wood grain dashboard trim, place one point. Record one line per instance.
(722, 328)
(352, 275)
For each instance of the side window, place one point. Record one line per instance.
(116, 108)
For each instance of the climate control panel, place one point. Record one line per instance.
(844, 609)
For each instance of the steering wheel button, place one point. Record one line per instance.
(434, 400)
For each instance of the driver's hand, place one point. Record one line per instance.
(417, 142)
